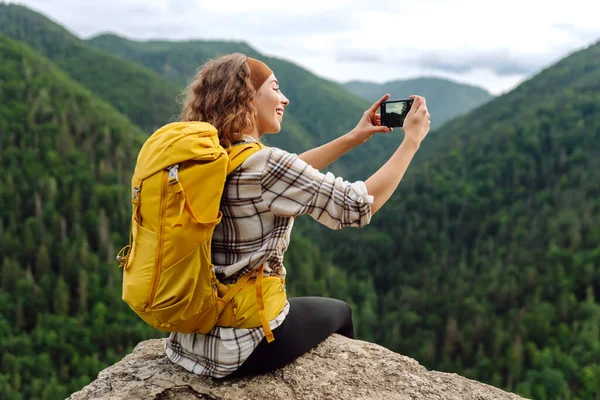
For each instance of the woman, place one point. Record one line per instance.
(240, 96)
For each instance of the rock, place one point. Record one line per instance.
(338, 368)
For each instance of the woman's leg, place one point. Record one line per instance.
(310, 321)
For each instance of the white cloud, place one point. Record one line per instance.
(494, 45)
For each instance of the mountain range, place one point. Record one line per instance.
(445, 98)
(485, 262)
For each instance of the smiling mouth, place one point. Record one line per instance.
(279, 112)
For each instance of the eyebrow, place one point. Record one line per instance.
(276, 81)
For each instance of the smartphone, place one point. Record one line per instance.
(393, 112)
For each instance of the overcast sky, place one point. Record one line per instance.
(495, 45)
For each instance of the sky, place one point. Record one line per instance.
(495, 45)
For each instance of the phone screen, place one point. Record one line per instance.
(393, 112)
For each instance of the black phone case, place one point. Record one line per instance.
(392, 119)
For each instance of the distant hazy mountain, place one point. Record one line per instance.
(445, 99)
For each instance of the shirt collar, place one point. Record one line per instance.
(248, 139)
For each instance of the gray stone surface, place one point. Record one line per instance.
(338, 368)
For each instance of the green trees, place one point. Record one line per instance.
(57, 282)
(121, 84)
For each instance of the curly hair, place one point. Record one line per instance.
(221, 93)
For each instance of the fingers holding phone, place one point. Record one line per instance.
(373, 109)
(418, 121)
(369, 124)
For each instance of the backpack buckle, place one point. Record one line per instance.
(136, 194)
(173, 174)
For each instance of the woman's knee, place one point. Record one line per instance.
(342, 315)
(336, 311)
(344, 309)
(329, 305)
(347, 328)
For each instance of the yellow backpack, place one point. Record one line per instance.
(168, 277)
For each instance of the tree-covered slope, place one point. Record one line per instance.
(65, 168)
(445, 99)
(175, 61)
(487, 259)
(146, 98)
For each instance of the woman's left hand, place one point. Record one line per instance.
(370, 123)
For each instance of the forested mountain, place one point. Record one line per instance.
(175, 61)
(486, 262)
(445, 98)
(136, 92)
(65, 164)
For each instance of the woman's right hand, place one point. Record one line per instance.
(417, 122)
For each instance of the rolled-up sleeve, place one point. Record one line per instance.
(291, 187)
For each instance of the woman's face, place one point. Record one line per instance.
(270, 104)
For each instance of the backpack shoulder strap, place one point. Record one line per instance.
(240, 153)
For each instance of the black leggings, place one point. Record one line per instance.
(310, 321)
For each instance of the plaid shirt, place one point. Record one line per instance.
(260, 201)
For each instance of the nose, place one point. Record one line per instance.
(285, 101)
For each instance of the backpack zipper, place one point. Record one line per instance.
(161, 231)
